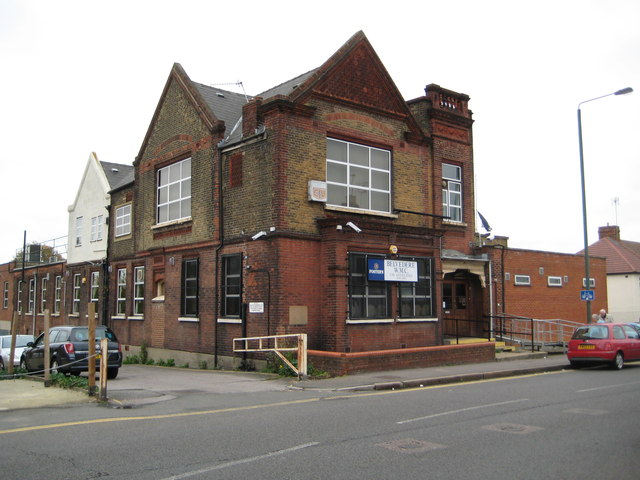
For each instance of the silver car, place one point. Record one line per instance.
(5, 349)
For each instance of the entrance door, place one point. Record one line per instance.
(455, 303)
(462, 305)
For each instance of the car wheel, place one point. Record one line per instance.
(55, 368)
(1, 364)
(23, 364)
(112, 373)
(618, 362)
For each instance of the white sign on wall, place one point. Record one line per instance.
(400, 271)
(256, 307)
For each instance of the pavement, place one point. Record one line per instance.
(139, 385)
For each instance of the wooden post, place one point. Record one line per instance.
(302, 356)
(92, 348)
(14, 331)
(47, 350)
(104, 362)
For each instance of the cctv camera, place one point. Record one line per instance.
(354, 227)
(258, 235)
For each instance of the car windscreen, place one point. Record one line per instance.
(594, 332)
(82, 334)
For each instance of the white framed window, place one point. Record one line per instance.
(43, 294)
(452, 192)
(96, 228)
(77, 284)
(174, 192)
(123, 220)
(358, 176)
(5, 295)
(19, 302)
(57, 294)
(522, 279)
(121, 301)
(554, 281)
(32, 295)
(138, 291)
(592, 282)
(78, 231)
(95, 286)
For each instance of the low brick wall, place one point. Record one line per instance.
(338, 364)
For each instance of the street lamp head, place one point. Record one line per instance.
(624, 91)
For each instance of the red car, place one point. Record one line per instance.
(612, 343)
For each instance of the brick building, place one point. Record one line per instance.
(296, 211)
(541, 285)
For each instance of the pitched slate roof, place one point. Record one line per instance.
(226, 106)
(287, 87)
(117, 174)
(622, 256)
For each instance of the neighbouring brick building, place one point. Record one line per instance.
(542, 285)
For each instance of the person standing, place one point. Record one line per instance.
(603, 317)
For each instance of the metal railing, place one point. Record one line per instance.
(539, 334)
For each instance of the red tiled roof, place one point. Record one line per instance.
(622, 256)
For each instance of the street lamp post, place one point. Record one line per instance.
(624, 91)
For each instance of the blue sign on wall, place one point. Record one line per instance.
(376, 269)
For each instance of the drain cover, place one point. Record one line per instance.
(512, 428)
(410, 445)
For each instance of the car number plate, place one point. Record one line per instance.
(586, 347)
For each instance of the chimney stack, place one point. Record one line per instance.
(610, 231)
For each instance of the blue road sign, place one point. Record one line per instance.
(588, 295)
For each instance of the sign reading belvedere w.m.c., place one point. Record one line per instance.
(393, 270)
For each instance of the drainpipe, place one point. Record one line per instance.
(217, 255)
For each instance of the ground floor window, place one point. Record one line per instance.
(77, 284)
(190, 275)
(416, 298)
(370, 297)
(57, 295)
(138, 291)
(121, 302)
(231, 285)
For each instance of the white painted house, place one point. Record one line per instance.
(88, 214)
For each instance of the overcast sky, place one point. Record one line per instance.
(83, 76)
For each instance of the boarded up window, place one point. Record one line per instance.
(235, 171)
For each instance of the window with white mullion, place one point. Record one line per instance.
(452, 192)
(174, 192)
(358, 176)
(121, 299)
(138, 291)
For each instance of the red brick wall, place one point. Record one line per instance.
(349, 363)
(542, 301)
